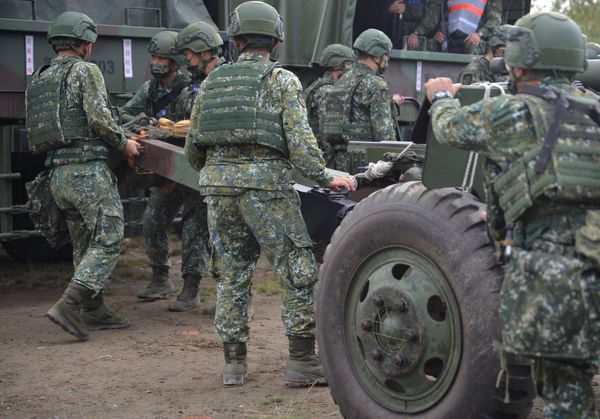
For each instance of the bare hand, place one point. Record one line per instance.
(131, 149)
(439, 37)
(483, 215)
(441, 83)
(398, 7)
(412, 42)
(397, 98)
(472, 39)
(339, 182)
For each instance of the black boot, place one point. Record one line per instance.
(303, 367)
(66, 311)
(160, 285)
(96, 316)
(235, 369)
(188, 299)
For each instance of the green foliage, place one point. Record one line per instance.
(585, 12)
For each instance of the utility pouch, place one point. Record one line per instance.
(587, 238)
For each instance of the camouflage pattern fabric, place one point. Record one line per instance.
(566, 388)
(252, 207)
(87, 195)
(232, 170)
(151, 91)
(372, 104)
(550, 298)
(316, 101)
(477, 71)
(160, 211)
(185, 100)
(243, 225)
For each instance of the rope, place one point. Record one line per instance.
(382, 167)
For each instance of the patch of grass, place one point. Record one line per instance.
(268, 286)
(206, 291)
(274, 399)
(140, 261)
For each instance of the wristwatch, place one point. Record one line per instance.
(441, 94)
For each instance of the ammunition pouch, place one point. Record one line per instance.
(587, 238)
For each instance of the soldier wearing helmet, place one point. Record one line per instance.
(479, 70)
(543, 191)
(249, 129)
(359, 106)
(336, 59)
(202, 47)
(69, 118)
(157, 97)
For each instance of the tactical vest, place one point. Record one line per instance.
(338, 125)
(309, 97)
(230, 112)
(464, 15)
(51, 124)
(564, 167)
(166, 106)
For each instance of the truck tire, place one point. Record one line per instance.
(407, 311)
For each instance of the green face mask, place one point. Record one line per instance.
(195, 71)
(160, 71)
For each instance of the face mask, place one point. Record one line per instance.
(160, 71)
(195, 71)
(382, 66)
(511, 88)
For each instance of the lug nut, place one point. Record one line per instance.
(378, 301)
(399, 361)
(412, 335)
(402, 305)
(376, 355)
(366, 325)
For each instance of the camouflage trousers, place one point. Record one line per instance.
(240, 227)
(566, 388)
(87, 195)
(160, 212)
(550, 311)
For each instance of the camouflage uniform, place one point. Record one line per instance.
(151, 92)
(550, 296)
(477, 71)
(252, 207)
(316, 99)
(428, 25)
(82, 184)
(371, 104)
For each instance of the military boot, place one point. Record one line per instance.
(188, 298)
(66, 311)
(160, 285)
(235, 369)
(96, 316)
(303, 367)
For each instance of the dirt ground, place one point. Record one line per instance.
(166, 365)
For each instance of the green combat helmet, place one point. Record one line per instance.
(498, 38)
(546, 41)
(73, 25)
(256, 18)
(335, 55)
(198, 37)
(373, 42)
(164, 44)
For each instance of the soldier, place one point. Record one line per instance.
(415, 19)
(69, 116)
(336, 59)
(157, 97)
(359, 106)
(541, 145)
(202, 47)
(249, 130)
(479, 69)
(469, 22)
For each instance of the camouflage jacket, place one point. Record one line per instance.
(186, 98)
(371, 102)
(477, 71)
(316, 99)
(148, 94)
(231, 170)
(86, 89)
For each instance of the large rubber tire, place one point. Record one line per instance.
(421, 245)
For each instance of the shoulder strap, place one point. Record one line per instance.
(168, 98)
(562, 104)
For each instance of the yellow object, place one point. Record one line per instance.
(180, 128)
(165, 123)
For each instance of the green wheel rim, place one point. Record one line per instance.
(403, 330)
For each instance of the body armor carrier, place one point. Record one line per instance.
(565, 166)
(166, 106)
(230, 113)
(338, 125)
(50, 123)
(313, 120)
